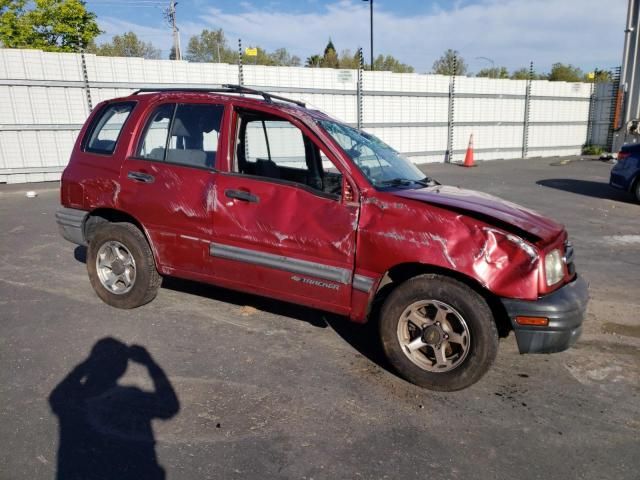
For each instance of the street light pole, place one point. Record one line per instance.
(371, 30)
(493, 64)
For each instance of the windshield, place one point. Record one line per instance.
(381, 164)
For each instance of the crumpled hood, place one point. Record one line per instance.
(487, 205)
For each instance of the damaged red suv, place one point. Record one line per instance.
(255, 192)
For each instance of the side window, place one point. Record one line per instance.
(106, 129)
(278, 141)
(277, 149)
(154, 139)
(188, 137)
(194, 135)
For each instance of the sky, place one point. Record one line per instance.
(511, 33)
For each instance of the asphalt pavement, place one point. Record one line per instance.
(237, 386)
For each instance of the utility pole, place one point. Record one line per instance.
(170, 15)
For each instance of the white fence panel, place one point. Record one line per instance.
(44, 102)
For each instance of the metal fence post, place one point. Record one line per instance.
(527, 112)
(592, 107)
(85, 76)
(448, 158)
(359, 88)
(240, 75)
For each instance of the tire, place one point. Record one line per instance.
(636, 190)
(459, 325)
(134, 279)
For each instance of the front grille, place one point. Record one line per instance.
(568, 258)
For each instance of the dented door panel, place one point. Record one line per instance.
(280, 228)
(174, 209)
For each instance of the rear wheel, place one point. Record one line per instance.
(121, 267)
(438, 333)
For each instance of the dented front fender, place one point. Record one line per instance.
(394, 230)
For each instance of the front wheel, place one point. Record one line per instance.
(438, 333)
(121, 267)
(636, 190)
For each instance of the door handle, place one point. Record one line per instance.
(241, 195)
(141, 177)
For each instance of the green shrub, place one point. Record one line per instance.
(592, 150)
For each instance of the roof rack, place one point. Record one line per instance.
(226, 88)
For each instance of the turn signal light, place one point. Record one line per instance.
(535, 321)
(348, 192)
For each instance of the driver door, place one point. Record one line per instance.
(282, 227)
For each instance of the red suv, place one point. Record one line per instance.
(256, 192)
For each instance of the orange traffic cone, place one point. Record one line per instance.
(468, 158)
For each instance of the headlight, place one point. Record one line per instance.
(553, 267)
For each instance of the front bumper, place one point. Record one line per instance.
(71, 224)
(565, 308)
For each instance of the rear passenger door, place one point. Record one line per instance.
(167, 182)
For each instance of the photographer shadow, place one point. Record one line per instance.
(105, 428)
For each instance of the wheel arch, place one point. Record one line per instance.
(635, 180)
(112, 215)
(402, 272)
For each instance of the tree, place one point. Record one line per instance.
(494, 72)
(391, 64)
(14, 30)
(261, 58)
(349, 60)
(329, 48)
(313, 61)
(565, 73)
(282, 57)
(126, 45)
(520, 74)
(523, 74)
(445, 64)
(330, 57)
(52, 25)
(598, 76)
(210, 46)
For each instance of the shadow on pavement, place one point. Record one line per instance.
(316, 318)
(364, 338)
(80, 254)
(586, 187)
(105, 428)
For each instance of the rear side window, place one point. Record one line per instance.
(106, 129)
(154, 140)
(185, 134)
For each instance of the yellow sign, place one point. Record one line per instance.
(251, 52)
(591, 75)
